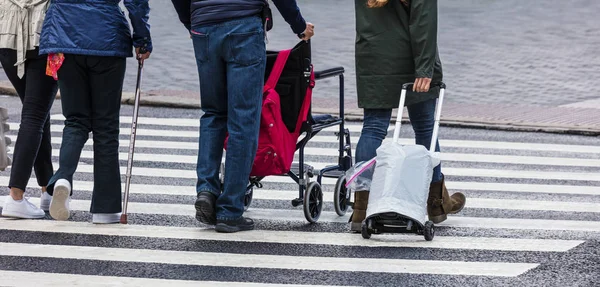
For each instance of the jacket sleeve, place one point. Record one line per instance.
(139, 11)
(423, 31)
(183, 9)
(291, 13)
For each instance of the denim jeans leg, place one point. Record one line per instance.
(213, 98)
(246, 63)
(106, 82)
(422, 118)
(76, 108)
(375, 128)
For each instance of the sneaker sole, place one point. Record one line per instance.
(58, 205)
(224, 228)
(205, 212)
(21, 215)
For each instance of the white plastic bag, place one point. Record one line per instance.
(401, 180)
(360, 175)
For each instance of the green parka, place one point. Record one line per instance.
(394, 45)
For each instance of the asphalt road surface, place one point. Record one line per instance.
(532, 219)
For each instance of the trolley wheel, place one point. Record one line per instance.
(365, 232)
(248, 198)
(341, 196)
(429, 231)
(313, 202)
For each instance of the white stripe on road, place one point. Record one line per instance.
(532, 205)
(393, 266)
(329, 216)
(497, 145)
(448, 171)
(295, 237)
(518, 187)
(148, 132)
(467, 172)
(332, 139)
(331, 152)
(267, 194)
(270, 194)
(28, 279)
(183, 122)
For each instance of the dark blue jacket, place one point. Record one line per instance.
(194, 13)
(95, 27)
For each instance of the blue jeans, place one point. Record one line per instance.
(377, 122)
(231, 58)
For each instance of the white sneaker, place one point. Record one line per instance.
(45, 200)
(21, 209)
(59, 205)
(106, 218)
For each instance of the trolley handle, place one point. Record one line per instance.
(438, 113)
(442, 85)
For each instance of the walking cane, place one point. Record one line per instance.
(136, 107)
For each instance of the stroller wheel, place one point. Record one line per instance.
(365, 232)
(313, 202)
(429, 231)
(341, 196)
(248, 198)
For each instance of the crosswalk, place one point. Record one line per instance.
(526, 201)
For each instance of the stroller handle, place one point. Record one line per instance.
(333, 72)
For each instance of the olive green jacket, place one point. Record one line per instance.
(394, 45)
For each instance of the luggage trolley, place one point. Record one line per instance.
(394, 204)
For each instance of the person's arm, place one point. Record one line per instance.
(183, 9)
(423, 33)
(139, 11)
(291, 13)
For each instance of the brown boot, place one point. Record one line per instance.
(440, 203)
(361, 200)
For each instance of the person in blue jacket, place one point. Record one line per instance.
(88, 42)
(229, 45)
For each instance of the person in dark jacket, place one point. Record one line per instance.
(88, 42)
(396, 43)
(229, 43)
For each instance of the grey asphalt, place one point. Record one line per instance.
(541, 53)
(576, 267)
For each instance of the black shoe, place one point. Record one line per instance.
(229, 226)
(205, 208)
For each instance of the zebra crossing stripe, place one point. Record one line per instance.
(449, 171)
(296, 237)
(495, 145)
(268, 193)
(374, 265)
(329, 216)
(28, 279)
(332, 154)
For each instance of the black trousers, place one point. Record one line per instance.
(37, 91)
(90, 89)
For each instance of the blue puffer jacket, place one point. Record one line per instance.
(95, 28)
